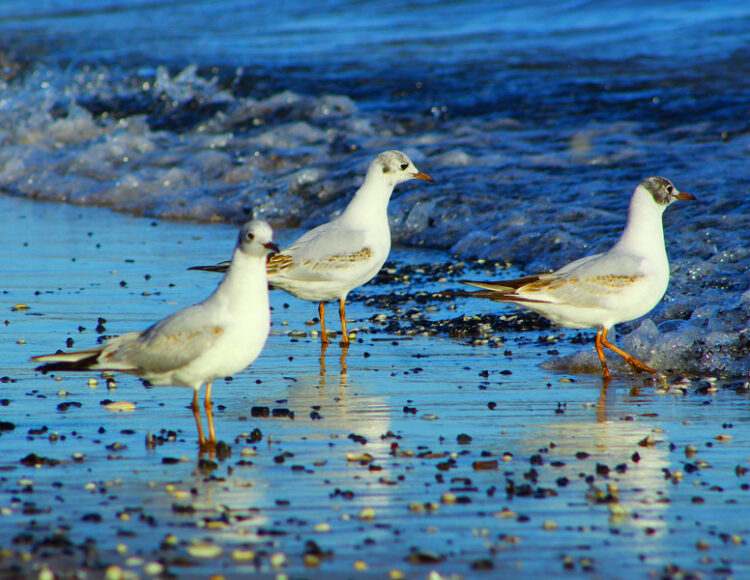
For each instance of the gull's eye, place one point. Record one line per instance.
(404, 166)
(249, 236)
(670, 189)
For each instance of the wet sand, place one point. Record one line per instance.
(405, 457)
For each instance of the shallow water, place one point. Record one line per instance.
(577, 485)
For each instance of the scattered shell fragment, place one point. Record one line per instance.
(367, 513)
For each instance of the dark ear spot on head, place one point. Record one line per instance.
(386, 169)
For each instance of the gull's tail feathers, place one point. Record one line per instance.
(221, 267)
(68, 361)
(503, 286)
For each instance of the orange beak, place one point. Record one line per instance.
(685, 196)
(423, 177)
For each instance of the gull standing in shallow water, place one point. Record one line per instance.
(602, 290)
(201, 343)
(332, 259)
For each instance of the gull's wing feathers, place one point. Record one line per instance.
(167, 345)
(589, 281)
(163, 347)
(321, 254)
(575, 264)
(316, 256)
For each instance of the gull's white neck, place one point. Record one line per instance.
(245, 277)
(370, 204)
(644, 233)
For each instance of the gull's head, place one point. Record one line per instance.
(663, 191)
(256, 239)
(394, 167)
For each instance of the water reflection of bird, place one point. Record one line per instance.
(332, 259)
(198, 344)
(602, 290)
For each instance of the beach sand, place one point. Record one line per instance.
(414, 455)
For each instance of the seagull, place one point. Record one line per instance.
(332, 259)
(602, 290)
(199, 344)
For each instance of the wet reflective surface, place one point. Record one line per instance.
(404, 453)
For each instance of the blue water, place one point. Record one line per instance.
(537, 119)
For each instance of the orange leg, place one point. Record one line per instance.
(342, 316)
(634, 363)
(600, 352)
(210, 417)
(322, 315)
(197, 417)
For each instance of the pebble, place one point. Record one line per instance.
(363, 457)
(322, 527)
(367, 513)
(243, 555)
(92, 382)
(617, 510)
(120, 407)
(153, 568)
(278, 560)
(505, 513)
(134, 561)
(46, 574)
(204, 550)
(549, 525)
(113, 573)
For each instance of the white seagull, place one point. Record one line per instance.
(201, 343)
(602, 290)
(332, 259)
